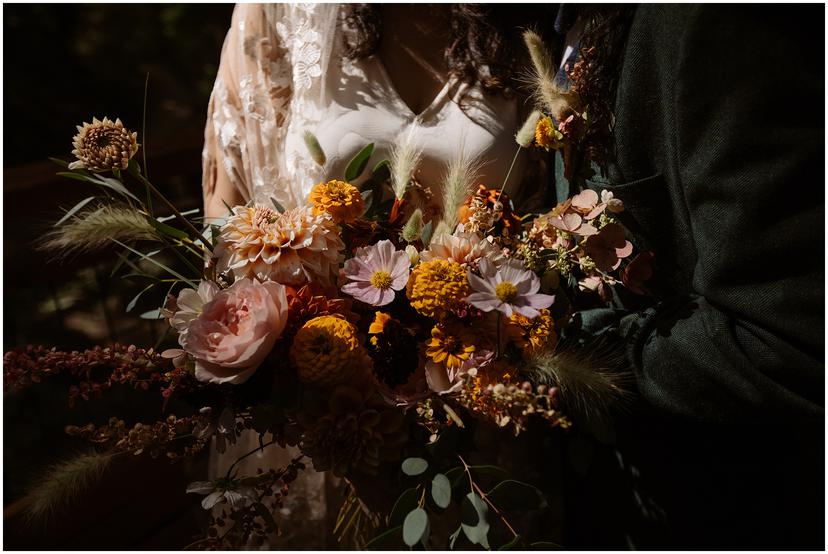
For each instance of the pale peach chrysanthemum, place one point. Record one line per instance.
(103, 146)
(463, 248)
(292, 248)
(341, 200)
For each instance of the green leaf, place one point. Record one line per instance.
(474, 513)
(542, 545)
(174, 216)
(107, 182)
(381, 171)
(516, 495)
(165, 229)
(414, 466)
(152, 314)
(425, 235)
(415, 527)
(75, 175)
(357, 164)
(441, 490)
(157, 263)
(134, 301)
(62, 163)
(455, 475)
(454, 536)
(74, 210)
(279, 207)
(511, 544)
(497, 473)
(404, 504)
(389, 540)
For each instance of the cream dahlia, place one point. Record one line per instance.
(463, 248)
(292, 248)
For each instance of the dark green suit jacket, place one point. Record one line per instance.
(720, 162)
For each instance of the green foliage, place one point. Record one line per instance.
(358, 163)
(474, 513)
(415, 527)
(441, 490)
(414, 466)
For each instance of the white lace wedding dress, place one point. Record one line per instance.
(282, 73)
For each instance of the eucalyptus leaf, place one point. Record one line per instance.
(516, 495)
(404, 504)
(455, 475)
(441, 490)
(74, 210)
(511, 544)
(415, 527)
(474, 513)
(454, 536)
(543, 545)
(357, 164)
(389, 540)
(414, 466)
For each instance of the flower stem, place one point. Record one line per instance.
(509, 173)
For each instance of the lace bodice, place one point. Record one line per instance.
(283, 72)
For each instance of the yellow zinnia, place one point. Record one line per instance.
(326, 351)
(532, 334)
(341, 200)
(437, 287)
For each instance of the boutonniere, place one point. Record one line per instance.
(564, 116)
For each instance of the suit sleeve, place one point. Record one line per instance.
(747, 344)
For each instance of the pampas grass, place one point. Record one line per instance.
(591, 379)
(94, 229)
(63, 483)
(462, 172)
(404, 158)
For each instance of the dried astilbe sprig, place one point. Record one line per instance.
(95, 229)
(103, 146)
(173, 437)
(95, 370)
(61, 485)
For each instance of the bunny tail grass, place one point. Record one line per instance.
(591, 379)
(404, 158)
(93, 230)
(462, 172)
(526, 135)
(541, 79)
(63, 483)
(413, 228)
(314, 148)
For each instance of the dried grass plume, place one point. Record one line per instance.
(93, 230)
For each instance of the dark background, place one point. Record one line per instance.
(64, 64)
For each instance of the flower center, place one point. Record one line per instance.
(506, 292)
(381, 279)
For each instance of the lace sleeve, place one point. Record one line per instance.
(248, 108)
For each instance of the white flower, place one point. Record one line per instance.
(508, 289)
(376, 272)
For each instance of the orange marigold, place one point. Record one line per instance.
(341, 200)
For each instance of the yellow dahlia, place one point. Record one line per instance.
(437, 287)
(339, 199)
(292, 248)
(103, 146)
(326, 351)
(533, 334)
(450, 347)
(547, 135)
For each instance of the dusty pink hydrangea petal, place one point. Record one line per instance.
(585, 200)
(596, 211)
(567, 222)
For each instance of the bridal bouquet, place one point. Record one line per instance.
(351, 328)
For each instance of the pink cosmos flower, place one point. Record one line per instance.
(376, 272)
(235, 330)
(508, 289)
